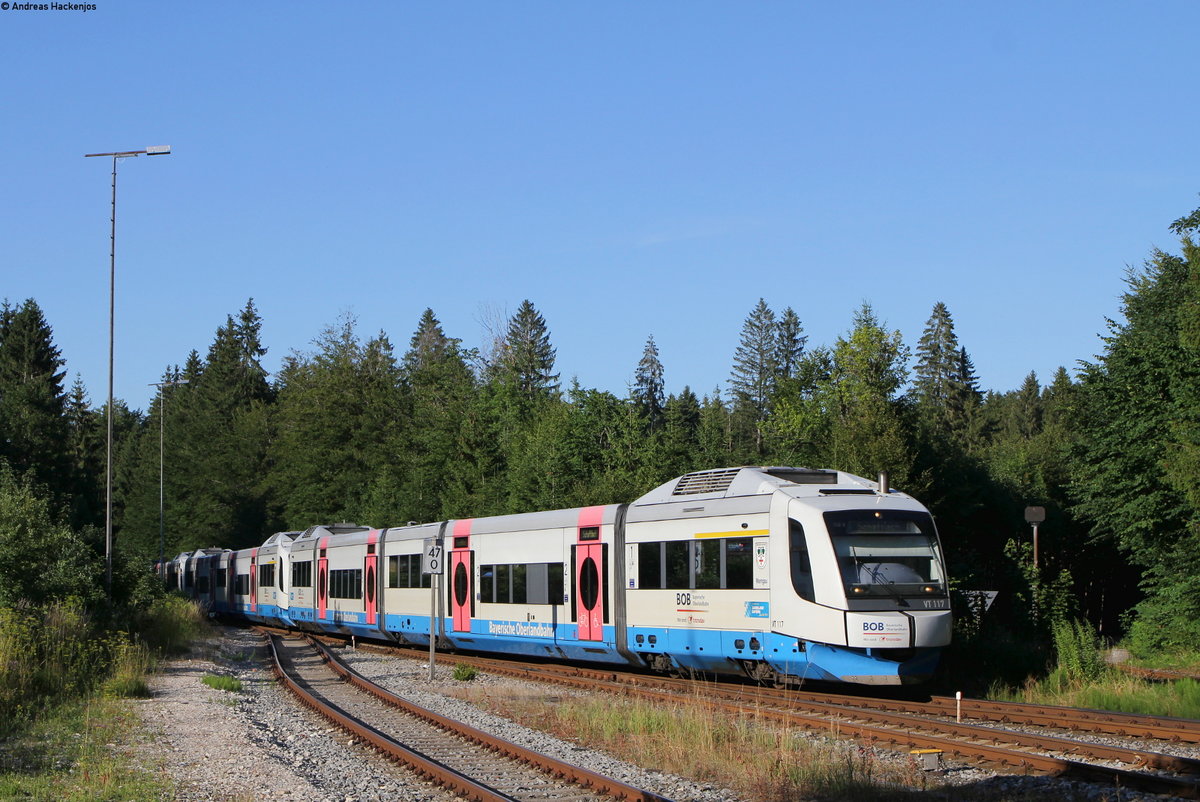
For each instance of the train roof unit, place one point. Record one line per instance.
(763, 481)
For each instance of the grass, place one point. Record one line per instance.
(221, 682)
(63, 679)
(464, 673)
(754, 757)
(1111, 690)
(69, 754)
(1082, 679)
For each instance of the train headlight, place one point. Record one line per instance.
(930, 589)
(859, 589)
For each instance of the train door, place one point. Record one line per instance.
(322, 578)
(253, 580)
(462, 572)
(370, 574)
(589, 575)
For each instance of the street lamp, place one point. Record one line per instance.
(158, 150)
(1033, 517)
(162, 416)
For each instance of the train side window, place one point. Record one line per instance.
(518, 585)
(302, 574)
(404, 571)
(708, 563)
(502, 585)
(678, 565)
(266, 575)
(650, 565)
(802, 580)
(554, 582)
(220, 578)
(487, 583)
(739, 563)
(536, 583)
(345, 584)
(202, 583)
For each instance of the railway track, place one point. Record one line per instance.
(471, 763)
(989, 732)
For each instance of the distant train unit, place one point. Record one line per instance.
(779, 574)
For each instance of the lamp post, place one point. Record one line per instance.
(1033, 517)
(162, 417)
(159, 150)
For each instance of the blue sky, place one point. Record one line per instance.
(634, 169)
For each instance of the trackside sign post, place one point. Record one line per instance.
(433, 564)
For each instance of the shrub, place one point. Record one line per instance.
(464, 672)
(131, 663)
(1078, 647)
(171, 623)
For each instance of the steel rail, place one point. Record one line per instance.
(834, 717)
(558, 768)
(1129, 725)
(431, 769)
(893, 729)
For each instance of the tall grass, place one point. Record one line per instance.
(67, 755)
(1081, 678)
(59, 652)
(699, 740)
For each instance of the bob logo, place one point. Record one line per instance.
(872, 626)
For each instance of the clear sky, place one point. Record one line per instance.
(633, 168)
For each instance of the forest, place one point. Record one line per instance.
(355, 429)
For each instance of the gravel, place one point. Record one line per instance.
(260, 744)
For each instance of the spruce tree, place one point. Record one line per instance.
(937, 367)
(527, 356)
(85, 450)
(648, 385)
(223, 437)
(34, 432)
(868, 433)
(790, 345)
(755, 362)
(440, 391)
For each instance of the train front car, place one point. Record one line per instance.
(786, 574)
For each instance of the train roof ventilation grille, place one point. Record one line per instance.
(805, 476)
(705, 482)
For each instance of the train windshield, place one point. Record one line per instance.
(887, 553)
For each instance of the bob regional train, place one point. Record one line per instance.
(779, 574)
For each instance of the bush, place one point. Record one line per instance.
(171, 623)
(1078, 647)
(464, 672)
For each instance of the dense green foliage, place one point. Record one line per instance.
(349, 430)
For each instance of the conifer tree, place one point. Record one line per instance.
(335, 426)
(648, 385)
(938, 364)
(790, 348)
(33, 404)
(681, 433)
(867, 434)
(440, 388)
(224, 435)
(755, 362)
(527, 356)
(85, 450)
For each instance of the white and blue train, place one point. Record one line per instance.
(779, 574)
